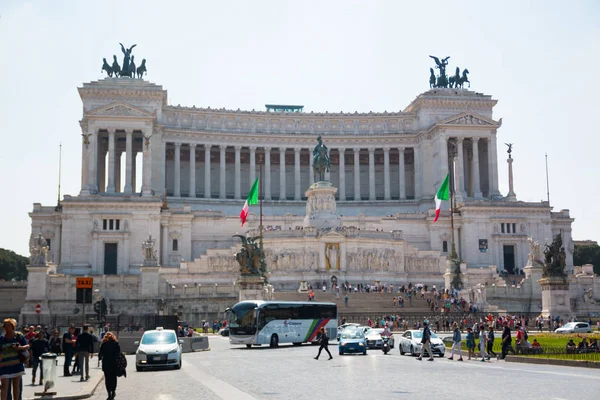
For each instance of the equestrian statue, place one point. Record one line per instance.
(442, 81)
(250, 257)
(321, 161)
(128, 68)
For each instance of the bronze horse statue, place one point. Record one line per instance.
(107, 68)
(141, 70)
(321, 164)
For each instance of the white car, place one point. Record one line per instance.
(344, 326)
(410, 342)
(374, 340)
(575, 327)
(158, 348)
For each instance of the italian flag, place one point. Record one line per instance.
(442, 194)
(252, 199)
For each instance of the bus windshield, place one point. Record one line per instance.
(243, 319)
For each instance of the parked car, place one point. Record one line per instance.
(158, 347)
(374, 340)
(575, 327)
(352, 341)
(410, 342)
(344, 326)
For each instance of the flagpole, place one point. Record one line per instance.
(260, 200)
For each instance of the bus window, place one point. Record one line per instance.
(243, 319)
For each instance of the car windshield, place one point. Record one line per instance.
(375, 331)
(569, 325)
(419, 335)
(352, 334)
(159, 338)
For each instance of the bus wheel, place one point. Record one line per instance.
(248, 345)
(274, 341)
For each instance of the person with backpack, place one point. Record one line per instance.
(110, 351)
(521, 340)
(13, 347)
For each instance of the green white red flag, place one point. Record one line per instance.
(443, 193)
(252, 199)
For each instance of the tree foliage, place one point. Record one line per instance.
(587, 255)
(13, 266)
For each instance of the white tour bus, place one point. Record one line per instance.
(273, 322)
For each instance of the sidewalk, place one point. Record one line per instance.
(66, 387)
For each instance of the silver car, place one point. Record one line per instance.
(410, 342)
(158, 348)
(575, 327)
(374, 340)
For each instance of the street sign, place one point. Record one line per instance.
(84, 283)
(38, 309)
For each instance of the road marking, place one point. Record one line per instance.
(219, 387)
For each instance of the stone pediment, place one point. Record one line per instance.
(119, 109)
(468, 118)
(333, 235)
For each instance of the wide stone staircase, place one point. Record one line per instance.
(362, 305)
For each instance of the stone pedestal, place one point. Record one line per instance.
(556, 300)
(251, 287)
(511, 193)
(449, 274)
(321, 206)
(150, 279)
(533, 272)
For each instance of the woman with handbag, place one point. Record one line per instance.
(110, 351)
(13, 352)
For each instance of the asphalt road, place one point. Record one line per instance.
(290, 372)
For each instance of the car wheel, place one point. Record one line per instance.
(412, 351)
(248, 345)
(441, 355)
(402, 352)
(178, 366)
(274, 341)
(138, 368)
(341, 353)
(364, 353)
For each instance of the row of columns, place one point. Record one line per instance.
(474, 182)
(282, 172)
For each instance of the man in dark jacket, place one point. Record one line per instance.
(85, 350)
(324, 342)
(506, 340)
(426, 342)
(39, 346)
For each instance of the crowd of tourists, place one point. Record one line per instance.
(23, 348)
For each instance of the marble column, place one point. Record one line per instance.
(110, 188)
(511, 193)
(282, 173)
(93, 159)
(128, 162)
(85, 166)
(238, 174)
(192, 192)
(253, 165)
(177, 170)
(102, 169)
(342, 166)
(118, 171)
(207, 177)
(459, 177)
(133, 172)
(401, 174)
(297, 173)
(418, 172)
(222, 171)
(443, 149)
(267, 173)
(493, 166)
(357, 174)
(386, 174)
(147, 167)
(475, 170)
(372, 174)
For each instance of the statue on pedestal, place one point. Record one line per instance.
(39, 251)
(321, 161)
(250, 257)
(554, 259)
(148, 250)
(535, 252)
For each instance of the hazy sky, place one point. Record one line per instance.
(537, 58)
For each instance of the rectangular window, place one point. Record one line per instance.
(445, 246)
(507, 228)
(502, 227)
(111, 224)
(104, 225)
(514, 228)
(49, 244)
(175, 245)
(117, 224)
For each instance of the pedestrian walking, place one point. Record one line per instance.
(39, 346)
(13, 347)
(346, 300)
(470, 342)
(67, 346)
(76, 367)
(506, 340)
(85, 351)
(456, 342)
(482, 343)
(490, 342)
(426, 342)
(324, 343)
(110, 351)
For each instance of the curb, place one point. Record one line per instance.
(553, 361)
(86, 395)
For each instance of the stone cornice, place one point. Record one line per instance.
(118, 110)
(454, 99)
(122, 88)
